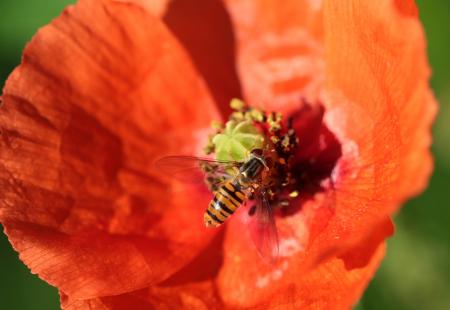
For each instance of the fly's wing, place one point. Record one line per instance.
(263, 229)
(193, 169)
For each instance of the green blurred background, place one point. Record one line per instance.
(416, 271)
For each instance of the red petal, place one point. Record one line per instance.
(190, 288)
(157, 7)
(246, 281)
(101, 92)
(359, 255)
(379, 105)
(378, 76)
(280, 51)
(199, 295)
(330, 286)
(205, 30)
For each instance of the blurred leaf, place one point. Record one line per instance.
(19, 21)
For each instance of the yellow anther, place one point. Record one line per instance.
(237, 104)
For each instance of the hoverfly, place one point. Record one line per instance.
(233, 184)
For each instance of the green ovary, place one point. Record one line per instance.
(237, 140)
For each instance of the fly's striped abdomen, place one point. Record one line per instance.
(226, 200)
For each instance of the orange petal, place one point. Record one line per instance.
(205, 30)
(330, 286)
(359, 255)
(157, 7)
(199, 295)
(245, 280)
(101, 92)
(378, 103)
(190, 288)
(279, 51)
(377, 74)
(380, 106)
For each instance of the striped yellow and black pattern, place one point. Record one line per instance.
(226, 200)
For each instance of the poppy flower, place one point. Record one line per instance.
(112, 85)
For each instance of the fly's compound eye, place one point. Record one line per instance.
(257, 152)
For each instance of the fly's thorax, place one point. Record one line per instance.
(251, 170)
